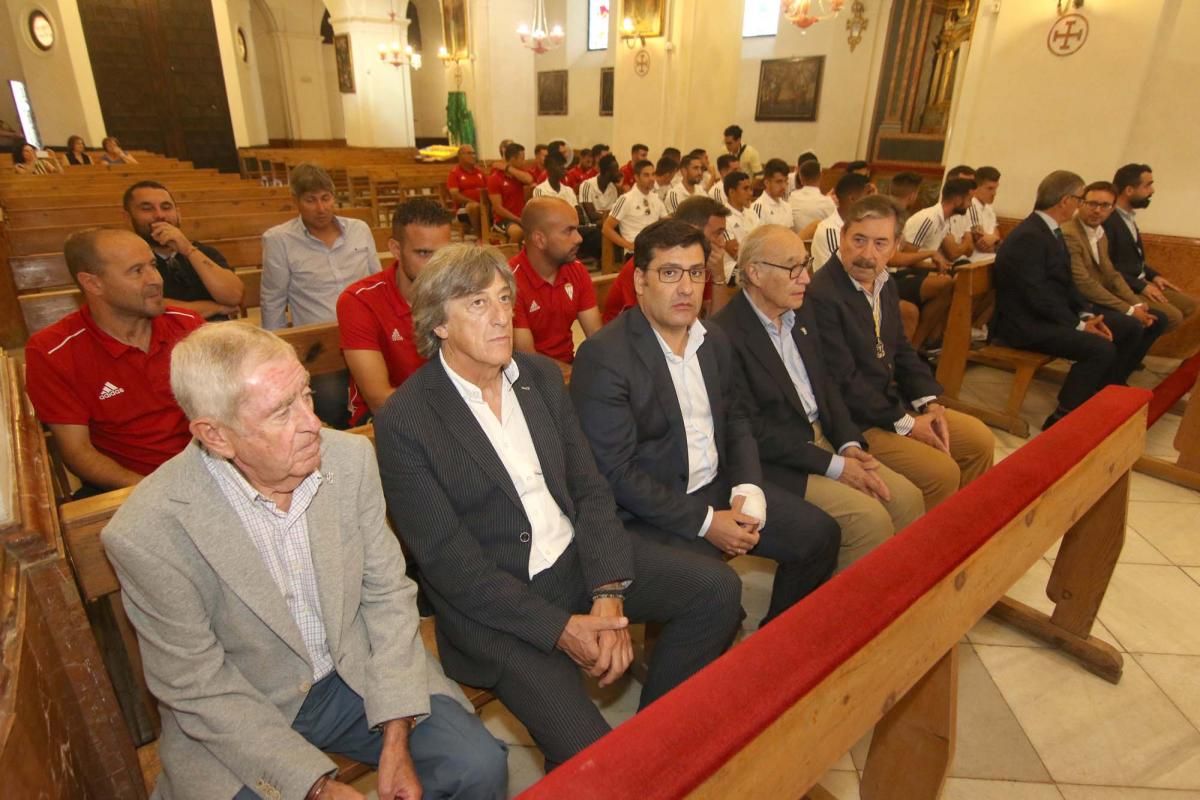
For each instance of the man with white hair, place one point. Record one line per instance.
(270, 600)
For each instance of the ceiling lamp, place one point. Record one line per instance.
(540, 37)
(806, 13)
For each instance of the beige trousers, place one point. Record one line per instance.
(1178, 307)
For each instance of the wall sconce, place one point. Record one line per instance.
(448, 59)
(1066, 6)
(630, 35)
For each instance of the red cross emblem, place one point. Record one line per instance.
(1067, 34)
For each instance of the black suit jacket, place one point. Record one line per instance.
(878, 391)
(781, 426)
(1036, 298)
(1126, 252)
(456, 508)
(629, 410)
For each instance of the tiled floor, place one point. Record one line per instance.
(1032, 724)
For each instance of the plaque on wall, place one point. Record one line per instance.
(789, 89)
(606, 91)
(345, 63)
(552, 93)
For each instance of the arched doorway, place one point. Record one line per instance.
(270, 72)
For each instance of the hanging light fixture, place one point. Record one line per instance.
(540, 37)
(396, 54)
(806, 13)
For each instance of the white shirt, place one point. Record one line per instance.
(808, 204)
(738, 226)
(544, 189)
(692, 395)
(978, 215)
(926, 229)
(1094, 235)
(827, 239)
(551, 531)
(589, 192)
(717, 192)
(771, 211)
(662, 191)
(633, 211)
(678, 194)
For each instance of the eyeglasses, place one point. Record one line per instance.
(1078, 197)
(675, 274)
(794, 270)
(1095, 205)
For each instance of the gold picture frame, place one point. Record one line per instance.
(345, 63)
(789, 89)
(647, 16)
(455, 33)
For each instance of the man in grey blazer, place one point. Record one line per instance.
(492, 486)
(270, 601)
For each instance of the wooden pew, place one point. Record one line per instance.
(972, 281)
(112, 212)
(231, 191)
(877, 645)
(1185, 470)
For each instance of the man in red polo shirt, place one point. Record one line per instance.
(579, 173)
(374, 316)
(506, 191)
(100, 378)
(553, 287)
(465, 182)
(638, 153)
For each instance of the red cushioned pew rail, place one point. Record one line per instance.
(675, 745)
(1173, 387)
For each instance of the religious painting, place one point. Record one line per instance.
(606, 91)
(789, 89)
(647, 16)
(552, 93)
(345, 63)
(454, 29)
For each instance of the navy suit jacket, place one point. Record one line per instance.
(628, 408)
(1036, 298)
(1126, 252)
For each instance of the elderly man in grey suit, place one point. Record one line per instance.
(490, 482)
(270, 600)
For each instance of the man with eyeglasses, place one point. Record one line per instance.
(807, 440)
(657, 396)
(889, 390)
(1039, 307)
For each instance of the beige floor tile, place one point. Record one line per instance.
(758, 576)
(1143, 488)
(1089, 731)
(501, 723)
(524, 768)
(972, 789)
(1071, 792)
(1179, 677)
(1173, 528)
(1152, 609)
(1136, 550)
(842, 784)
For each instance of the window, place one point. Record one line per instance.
(761, 18)
(598, 15)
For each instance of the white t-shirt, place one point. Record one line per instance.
(634, 211)
(926, 229)
(717, 192)
(544, 189)
(677, 195)
(771, 211)
(827, 239)
(589, 192)
(808, 205)
(978, 214)
(738, 226)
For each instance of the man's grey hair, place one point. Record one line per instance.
(457, 270)
(1055, 186)
(875, 206)
(306, 177)
(209, 368)
(752, 248)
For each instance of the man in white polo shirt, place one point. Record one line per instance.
(691, 169)
(928, 230)
(635, 209)
(599, 194)
(809, 204)
(741, 219)
(772, 207)
(828, 235)
(726, 164)
(980, 219)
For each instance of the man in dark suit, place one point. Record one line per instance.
(490, 483)
(1038, 306)
(656, 394)
(807, 440)
(889, 390)
(1134, 184)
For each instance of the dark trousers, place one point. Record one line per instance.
(802, 538)
(1133, 339)
(698, 603)
(453, 753)
(331, 398)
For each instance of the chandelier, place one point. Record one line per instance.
(396, 54)
(806, 13)
(540, 37)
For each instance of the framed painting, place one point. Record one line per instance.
(345, 63)
(789, 89)
(647, 16)
(454, 29)
(606, 91)
(552, 93)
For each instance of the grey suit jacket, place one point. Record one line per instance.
(221, 651)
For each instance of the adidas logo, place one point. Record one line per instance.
(396, 337)
(533, 307)
(110, 390)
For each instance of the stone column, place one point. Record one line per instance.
(379, 113)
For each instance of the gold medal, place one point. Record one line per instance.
(879, 353)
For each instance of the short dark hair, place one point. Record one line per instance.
(959, 170)
(672, 153)
(849, 185)
(809, 169)
(687, 160)
(734, 132)
(556, 159)
(807, 155)
(18, 151)
(724, 160)
(957, 187)
(537, 148)
(309, 177)
(698, 209)
(731, 180)
(775, 166)
(605, 161)
(599, 150)
(665, 165)
(1101, 186)
(984, 174)
(665, 234)
(637, 147)
(905, 182)
(641, 164)
(1129, 175)
(512, 150)
(82, 251)
(127, 198)
(698, 151)
(421, 211)
(855, 165)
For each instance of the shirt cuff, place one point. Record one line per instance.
(836, 465)
(756, 502)
(848, 445)
(707, 521)
(1129, 311)
(904, 425)
(1081, 326)
(920, 403)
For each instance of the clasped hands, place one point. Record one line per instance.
(599, 641)
(932, 427)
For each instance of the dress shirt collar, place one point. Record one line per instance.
(1129, 216)
(814, 191)
(302, 230)
(788, 318)
(871, 296)
(236, 481)
(1049, 220)
(1094, 234)
(469, 391)
(696, 334)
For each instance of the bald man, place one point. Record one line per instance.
(100, 377)
(553, 287)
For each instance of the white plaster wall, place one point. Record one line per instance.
(302, 65)
(582, 126)
(499, 81)
(264, 55)
(253, 124)
(10, 70)
(333, 95)
(431, 82)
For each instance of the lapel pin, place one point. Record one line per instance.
(524, 388)
(804, 330)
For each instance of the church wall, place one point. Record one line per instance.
(265, 56)
(431, 82)
(251, 129)
(582, 126)
(10, 70)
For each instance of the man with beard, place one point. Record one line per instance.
(553, 287)
(194, 275)
(585, 169)
(598, 194)
(374, 317)
(692, 169)
(1135, 186)
(927, 283)
(100, 377)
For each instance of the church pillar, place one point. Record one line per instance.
(379, 113)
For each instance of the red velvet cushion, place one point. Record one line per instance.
(671, 747)
(1173, 387)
